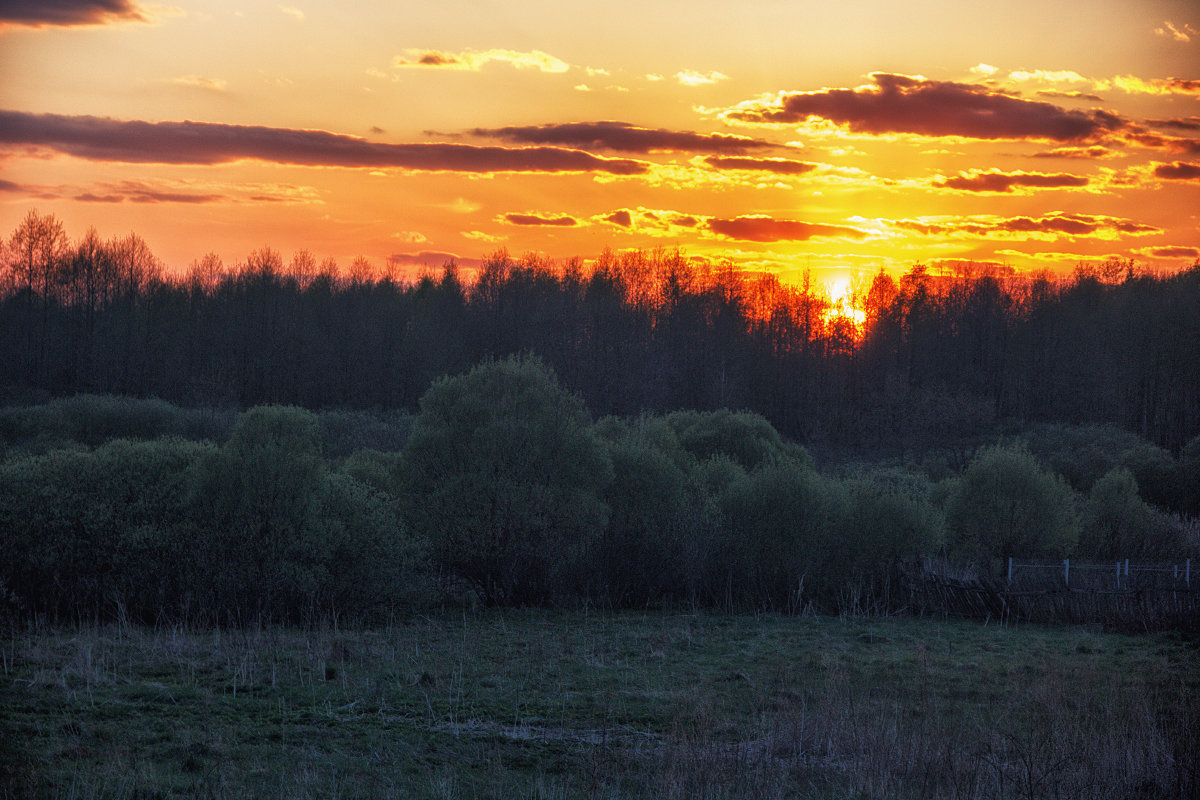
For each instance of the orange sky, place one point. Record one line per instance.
(783, 135)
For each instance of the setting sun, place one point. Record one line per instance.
(786, 139)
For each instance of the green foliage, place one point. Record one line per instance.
(374, 469)
(1084, 453)
(371, 566)
(1189, 468)
(777, 524)
(176, 530)
(748, 439)
(287, 539)
(656, 540)
(94, 419)
(346, 432)
(259, 499)
(887, 517)
(1118, 524)
(503, 476)
(1006, 505)
(92, 533)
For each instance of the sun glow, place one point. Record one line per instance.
(843, 304)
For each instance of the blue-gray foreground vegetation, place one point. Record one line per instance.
(553, 704)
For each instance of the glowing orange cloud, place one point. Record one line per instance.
(997, 181)
(781, 166)
(767, 229)
(1053, 224)
(1178, 171)
(563, 220)
(623, 137)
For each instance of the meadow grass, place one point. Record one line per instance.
(607, 705)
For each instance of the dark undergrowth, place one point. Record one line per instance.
(571, 704)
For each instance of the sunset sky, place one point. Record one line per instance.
(782, 135)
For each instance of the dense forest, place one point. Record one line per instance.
(280, 440)
(937, 358)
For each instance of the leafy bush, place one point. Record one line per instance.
(654, 545)
(777, 522)
(94, 419)
(346, 432)
(1084, 453)
(1005, 504)
(748, 439)
(503, 477)
(94, 533)
(1118, 524)
(887, 518)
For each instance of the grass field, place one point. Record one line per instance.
(573, 704)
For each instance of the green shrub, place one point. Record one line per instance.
(1006, 505)
(503, 477)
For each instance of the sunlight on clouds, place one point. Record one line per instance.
(198, 82)
(690, 77)
(474, 60)
(1135, 85)
(480, 236)
(1048, 76)
(1180, 34)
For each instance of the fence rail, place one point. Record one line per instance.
(1120, 595)
(1120, 575)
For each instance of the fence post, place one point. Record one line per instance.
(1118, 575)
(1187, 573)
(1010, 569)
(1067, 571)
(1127, 568)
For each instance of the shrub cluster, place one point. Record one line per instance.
(503, 487)
(167, 529)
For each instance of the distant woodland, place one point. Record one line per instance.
(282, 438)
(939, 358)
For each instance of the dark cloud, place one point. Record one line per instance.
(9, 186)
(996, 181)
(1177, 123)
(537, 219)
(1053, 223)
(1093, 152)
(1071, 95)
(432, 259)
(1178, 171)
(1183, 86)
(625, 138)
(781, 166)
(104, 139)
(1173, 252)
(902, 104)
(90, 197)
(622, 218)
(768, 229)
(41, 13)
(435, 59)
(1174, 144)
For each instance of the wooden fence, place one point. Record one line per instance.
(1124, 596)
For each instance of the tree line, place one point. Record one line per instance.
(502, 489)
(938, 359)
